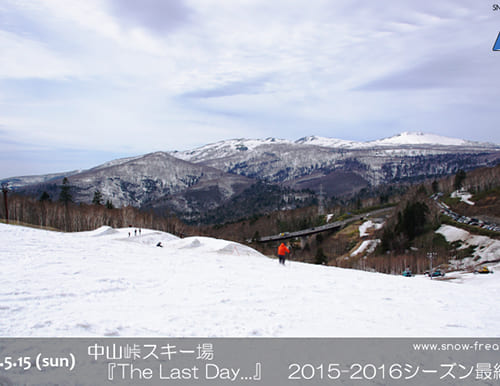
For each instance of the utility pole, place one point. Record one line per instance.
(321, 201)
(5, 190)
(431, 255)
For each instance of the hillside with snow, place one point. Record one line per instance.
(109, 283)
(313, 161)
(230, 148)
(484, 248)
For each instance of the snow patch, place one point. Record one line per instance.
(452, 234)
(463, 195)
(367, 245)
(363, 228)
(486, 249)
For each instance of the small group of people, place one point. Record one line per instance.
(135, 232)
(283, 251)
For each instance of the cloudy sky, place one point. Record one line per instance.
(84, 82)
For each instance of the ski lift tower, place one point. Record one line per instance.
(5, 190)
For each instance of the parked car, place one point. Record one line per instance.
(483, 270)
(435, 273)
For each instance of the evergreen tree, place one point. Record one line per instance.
(419, 218)
(435, 186)
(65, 195)
(97, 200)
(459, 179)
(109, 204)
(387, 240)
(413, 220)
(321, 257)
(45, 197)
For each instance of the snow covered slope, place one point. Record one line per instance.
(147, 179)
(313, 161)
(417, 138)
(403, 139)
(105, 283)
(485, 248)
(227, 148)
(233, 147)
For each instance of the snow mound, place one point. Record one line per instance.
(190, 243)
(211, 245)
(152, 238)
(239, 250)
(102, 231)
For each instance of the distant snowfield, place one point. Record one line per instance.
(105, 283)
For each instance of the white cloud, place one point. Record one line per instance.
(26, 58)
(220, 69)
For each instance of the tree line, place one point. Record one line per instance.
(68, 216)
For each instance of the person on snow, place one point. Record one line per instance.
(282, 251)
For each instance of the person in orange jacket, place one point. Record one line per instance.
(282, 251)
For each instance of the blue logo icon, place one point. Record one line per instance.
(496, 47)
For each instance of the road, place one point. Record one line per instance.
(445, 209)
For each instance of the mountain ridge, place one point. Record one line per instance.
(403, 139)
(199, 180)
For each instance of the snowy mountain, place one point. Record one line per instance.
(404, 139)
(21, 181)
(152, 180)
(311, 161)
(227, 148)
(415, 140)
(105, 283)
(142, 180)
(192, 182)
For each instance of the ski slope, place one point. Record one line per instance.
(105, 283)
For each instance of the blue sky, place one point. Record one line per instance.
(84, 82)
